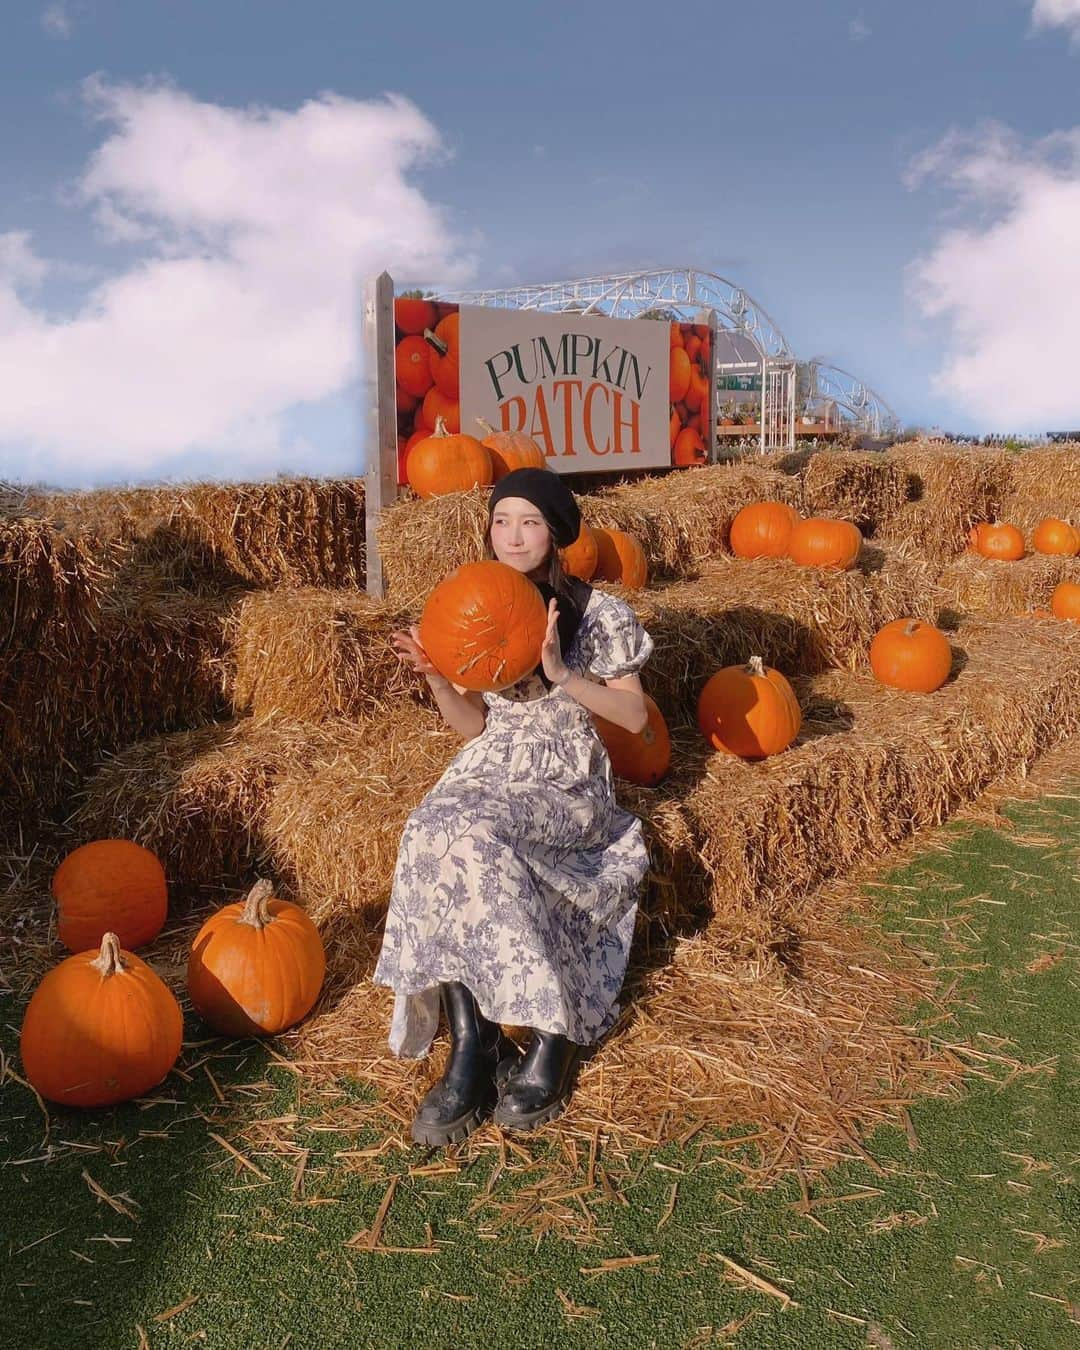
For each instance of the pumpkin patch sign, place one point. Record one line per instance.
(591, 391)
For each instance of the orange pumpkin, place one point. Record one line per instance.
(579, 560)
(750, 711)
(693, 346)
(100, 1028)
(442, 463)
(1001, 541)
(511, 450)
(619, 557)
(689, 447)
(256, 966)
(415, 439)
(763, 529)
(697, 393)
(679, 380)
(436, 405)
(674, 427)
(819, 542)
(908, 654)
(412, 367)
(1065, 601)
(638, 756)
(1056, 537)
(483, 626)
(111, 885)
(413, 314)
(443, 354)
(677, 339)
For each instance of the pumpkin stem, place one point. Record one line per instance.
(911, 627)
(755, 666)
(433, 340)
(489, 430)
(440, 426)
(108, 959)
(256, 911)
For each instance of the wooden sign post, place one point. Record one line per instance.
(380, 482)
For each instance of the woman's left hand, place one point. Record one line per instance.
(551, 656)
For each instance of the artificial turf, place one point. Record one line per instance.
(962, 1234)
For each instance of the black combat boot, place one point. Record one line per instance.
(481, 1057)
(539, 1088)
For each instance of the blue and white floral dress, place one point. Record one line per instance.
(518, 874)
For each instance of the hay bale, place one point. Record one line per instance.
(999, 589)
(1026, 513)
(873, 766)
(312, 655)
(846, 485)
(950, 489)
(421, 541)
(45, 577)
(1051, 471)
(797, 619)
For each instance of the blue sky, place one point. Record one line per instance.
(892, 182)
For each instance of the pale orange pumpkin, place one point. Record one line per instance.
(442, 463)
(256, 966)
(1056, 537)
(620, 558)
(443, 354)
(689, 448)
(679, 380)
(110, 885)
(436, 405)
(750, 711)
(908, 654)
(483, 626)
(412, 366)
(100, 1028)
(763, 529)
(579, 560)
(819, 542)
(1065, 601)
(999, 540)
(511, 450)
(412, 314)
(638, 756)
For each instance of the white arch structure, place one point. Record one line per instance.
(747, 338)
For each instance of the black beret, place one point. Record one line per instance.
(549, 494)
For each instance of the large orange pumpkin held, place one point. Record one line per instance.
(100, 1028)
(256, 966)
(483, 626)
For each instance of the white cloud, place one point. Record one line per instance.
(858, 28)
(56, 21)
(254, 229)
(1005, 279)
(1056, 14)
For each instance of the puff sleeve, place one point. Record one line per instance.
(615, 643)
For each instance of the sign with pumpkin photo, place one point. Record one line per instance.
(596, 394)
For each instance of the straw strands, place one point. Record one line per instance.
(846, 485)
(988, 586)
(950, 490)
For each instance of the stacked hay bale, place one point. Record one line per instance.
(949, 490)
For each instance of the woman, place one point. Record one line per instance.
(517, 880)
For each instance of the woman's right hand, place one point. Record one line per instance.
(409, 650)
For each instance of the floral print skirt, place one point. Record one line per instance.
(518, 875)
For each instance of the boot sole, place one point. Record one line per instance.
(524, 1122)
(431, 1135)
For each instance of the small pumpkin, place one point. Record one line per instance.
(412, 367)
(908, 654)
(697, 392)
(620, 558)
(100, 1028)
(999, 540)
(443, 354)
(413, 314)
(750, 711)
(679, 381)
(763, 529)
(689, 447)
(1056, 537)
(819, 542)
(638, 756)
(436, 405)
(674, 426)
(579, 560)
(483, 626)
(445, 462)
(256, 966)
(511, 450)
(110, 885)
(1065, 601)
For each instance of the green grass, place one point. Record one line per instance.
(968, 1240)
